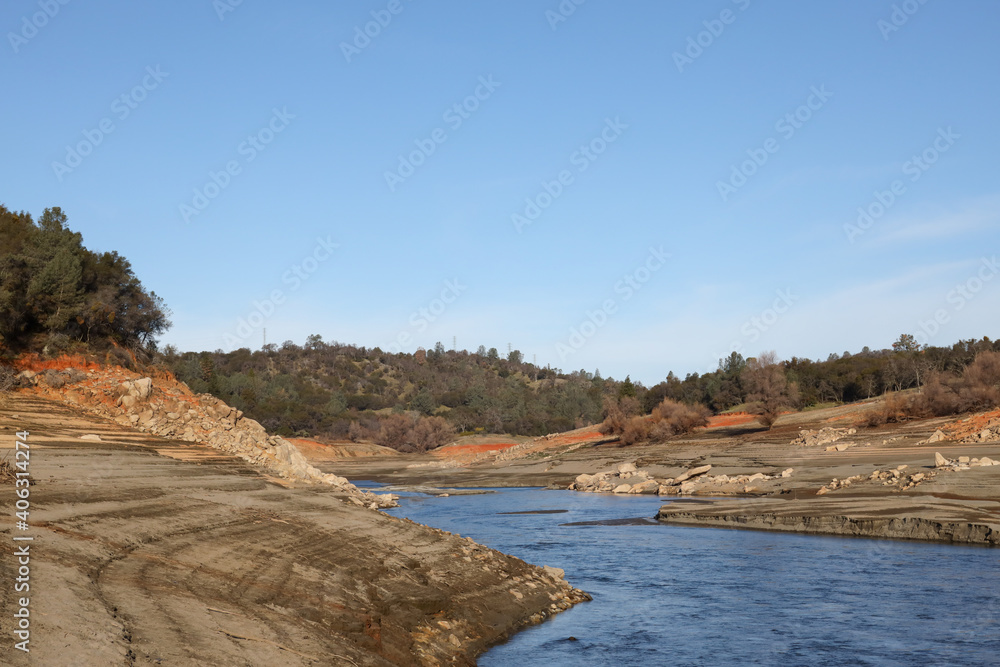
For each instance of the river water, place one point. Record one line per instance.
(667, 595)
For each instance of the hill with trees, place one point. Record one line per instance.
(58, 296)
(335, 390)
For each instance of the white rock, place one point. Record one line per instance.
(693, 472)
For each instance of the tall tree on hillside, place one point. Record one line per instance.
(767, 388)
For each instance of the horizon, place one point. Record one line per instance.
(645, 206)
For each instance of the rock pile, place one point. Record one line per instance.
(168, 409)
(822, 437)
(962, 462)
(626, 478)
(991, 433)
(890, 477)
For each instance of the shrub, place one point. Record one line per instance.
(356, 432)
(431, 432)
(617, 413)
(937, 399)
(893, 409)
(394, 431)
(980, 387)
(636, 430)
(408, 434)
(674, 418)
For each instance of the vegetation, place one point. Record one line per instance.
(976, 387)
(845, 378)
(337, 391)
(55, 294)
(668, 419)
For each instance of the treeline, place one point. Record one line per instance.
(57, 296)
(841, 378)
(418, 401)
(322, 389)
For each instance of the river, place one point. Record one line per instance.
(704, 596)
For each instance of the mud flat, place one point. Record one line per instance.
(151, 551)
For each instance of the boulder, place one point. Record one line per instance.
(143, 388)
(937, 437)
(688, 487)
(649, 486)
(622, 488)
(788, 472)
(584, 480)
(626, 469)
(693, 472)
(940, 461)
(554, 572)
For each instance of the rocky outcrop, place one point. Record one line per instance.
(822, 437)
(167, 408)
(626, 478)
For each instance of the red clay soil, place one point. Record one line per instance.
(730, 419)
(32, 362)
(969, 425)
(574, 437)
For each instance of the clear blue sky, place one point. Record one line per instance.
(664, 132)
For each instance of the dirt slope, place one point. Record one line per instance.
(194, 557)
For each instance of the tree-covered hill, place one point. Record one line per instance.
(328, 389)
(54, 292)
(321, 388)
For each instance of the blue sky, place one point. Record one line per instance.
(711, 155)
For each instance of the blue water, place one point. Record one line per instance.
(666, 595)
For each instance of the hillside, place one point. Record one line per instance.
(335, 391)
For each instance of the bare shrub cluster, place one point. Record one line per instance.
(668, 419)
(405, 433)
(671, 418)
(943, 394)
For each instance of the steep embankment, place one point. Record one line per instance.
(162, 406)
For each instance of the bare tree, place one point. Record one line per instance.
(767, 388)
